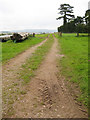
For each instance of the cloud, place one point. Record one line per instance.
(6, 7)
(17, 14)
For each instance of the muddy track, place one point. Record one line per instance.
(10, 74)
(48, 96)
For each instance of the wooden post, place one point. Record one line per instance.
(33, 34)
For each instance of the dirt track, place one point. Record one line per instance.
(48, 96)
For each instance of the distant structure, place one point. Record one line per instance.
(89, 5)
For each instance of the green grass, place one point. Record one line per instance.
(33, 63)
(75, 34)
(10, 49)
(41, 35)
(75, 63)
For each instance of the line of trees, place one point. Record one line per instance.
(72, 24)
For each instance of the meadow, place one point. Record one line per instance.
(10, 49)
(74, 64)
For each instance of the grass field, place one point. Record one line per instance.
(10, 49)
(74, 65)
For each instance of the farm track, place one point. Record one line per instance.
(10, 75)
(48, 96)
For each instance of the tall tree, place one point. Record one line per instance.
(66, 11)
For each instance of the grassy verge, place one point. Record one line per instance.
(75, 63)
(10, 49)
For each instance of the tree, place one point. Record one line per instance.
(79, 24)
(87, 16)
(66, 11)
(78, 20)
(67, 28)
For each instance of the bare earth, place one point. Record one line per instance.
(47, 96)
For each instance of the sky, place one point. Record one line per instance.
(35, 14)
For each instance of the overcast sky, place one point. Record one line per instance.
(35, 14)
